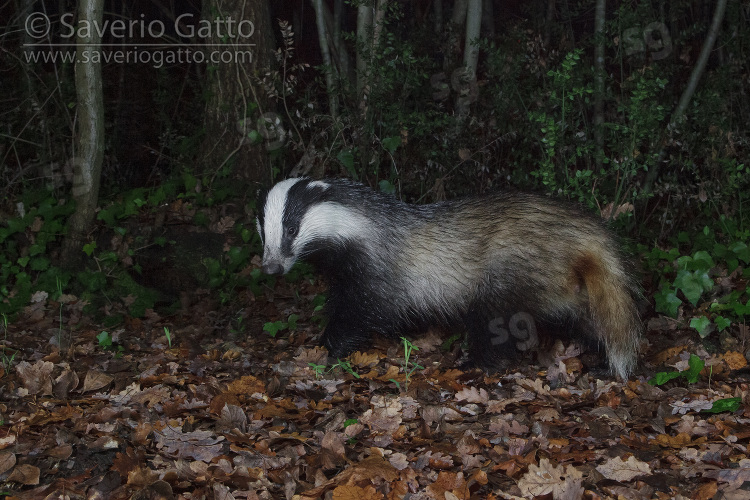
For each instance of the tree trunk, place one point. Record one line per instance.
(232, 90)
(687, 94)
(364, 32)
(473, 26)
(468, 77)
(453, 48)
(89, 140)
(325, 51)
(599, 77)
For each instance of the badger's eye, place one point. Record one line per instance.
(291, 230)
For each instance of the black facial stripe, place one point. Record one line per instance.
(300, 197)
(260, 206)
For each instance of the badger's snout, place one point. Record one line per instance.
(272, 267)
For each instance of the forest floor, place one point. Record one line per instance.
(219, 411)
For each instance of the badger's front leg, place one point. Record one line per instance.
(347, 330)
(344, 336)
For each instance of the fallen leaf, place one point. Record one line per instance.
(562, 482)
(735, 360)
(7, 461)
(95, 380)
(473, 395)
(623, 471)
(36, 378)
(25, 474)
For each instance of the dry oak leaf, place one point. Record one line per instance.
(364, 359)
(200, 445)
(95, 380)
(345, 492)
(316, 355)
(735, 360)
(373, 469)
(232, 417)
(24, 474)
(678, 442)
(449, 485)
(385, 416)
(333, 441)
(562, 482)
(473, 395)
(7, 461)
(434, 413)
(623, 471)
(36, 378)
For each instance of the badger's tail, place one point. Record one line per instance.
(612, 309)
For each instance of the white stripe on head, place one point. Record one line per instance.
(332, 221)
(273, 216)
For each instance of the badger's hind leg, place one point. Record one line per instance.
(499, 337)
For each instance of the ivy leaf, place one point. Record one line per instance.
(722, 405)
(696, 364)
(662, 378)
(667, 302)
(703, 325)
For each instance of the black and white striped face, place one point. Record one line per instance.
(297, 213)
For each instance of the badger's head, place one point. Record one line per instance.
(300, 216)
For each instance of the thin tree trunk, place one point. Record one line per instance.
(687, 94)
(549, 19)
(457, 23)
(342, 56)
(599, 77)
(468, 78)
(325, 51)
(700, 64)
(89, 141)
(364, 31)
(488, 19)
(473, 26)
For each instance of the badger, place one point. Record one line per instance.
(487, 264)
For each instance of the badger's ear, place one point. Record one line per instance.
(318, 188)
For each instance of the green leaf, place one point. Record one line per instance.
(40, 264)
(722, 405)
(274, 327)
(391, 143)
(667, 302)
(292, 321)
(696, 364)
(702, 324)
(722, 323)
(742, 251)
(347, 160)
(693, 284)
(662, 378)
(702, 260)
(387, 187)
(89, 248)
(105, 340)
(255, 137)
